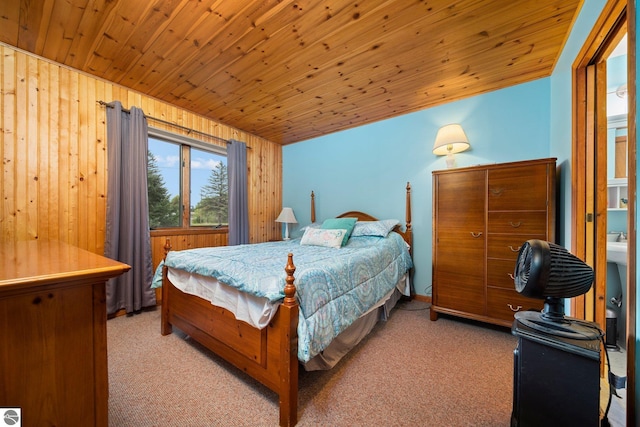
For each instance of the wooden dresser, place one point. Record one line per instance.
(481, 217)
(53, 331)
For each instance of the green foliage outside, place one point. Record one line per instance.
(164, 211)
(213, 208)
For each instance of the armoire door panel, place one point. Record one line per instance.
(462, 295)
(461, 202)
(457, 250)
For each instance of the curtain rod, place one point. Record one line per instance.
(188, 130)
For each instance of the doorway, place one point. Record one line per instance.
(597, 192)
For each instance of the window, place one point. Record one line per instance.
(184, 172)
(209, 189)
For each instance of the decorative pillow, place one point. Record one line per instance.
(330, 238)
(340, 224)
(312, 225)
(374, 228)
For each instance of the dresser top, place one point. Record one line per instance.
(37, 262)
(489, 166)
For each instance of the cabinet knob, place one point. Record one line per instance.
(515, 224)
(514, 249)
(496, 191)
(476, 235)
(512, 276)
(518, 308)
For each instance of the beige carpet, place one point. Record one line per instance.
(408, 372)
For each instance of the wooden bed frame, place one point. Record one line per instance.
(269, 355)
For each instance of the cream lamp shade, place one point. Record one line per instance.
(450, 139)
(287, 217)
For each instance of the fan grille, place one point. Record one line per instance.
(544, 269)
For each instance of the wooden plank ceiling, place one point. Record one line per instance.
(292, 70)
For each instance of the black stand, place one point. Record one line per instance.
(556, 379)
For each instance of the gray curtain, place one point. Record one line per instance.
(127, 235)
(238, 198)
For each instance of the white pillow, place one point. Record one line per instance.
(312, 225)
(374, 228)
(330, 238)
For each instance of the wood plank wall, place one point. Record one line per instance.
(54, 156)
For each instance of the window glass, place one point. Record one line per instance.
(163, 181)
(209, 189)
(172, 181)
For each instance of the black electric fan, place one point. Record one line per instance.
(547, 271)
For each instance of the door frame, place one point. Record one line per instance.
(588, 207)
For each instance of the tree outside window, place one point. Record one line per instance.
(212, 209)
(164, 210)
(206, 184)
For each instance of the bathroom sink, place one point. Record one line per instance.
(617, 252)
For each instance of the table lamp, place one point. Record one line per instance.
(287, 217)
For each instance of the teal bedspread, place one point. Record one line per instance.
(334, 286)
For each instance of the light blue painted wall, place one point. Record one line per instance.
(354, 169)
(561, 111)
(616, 72)
(367, 168)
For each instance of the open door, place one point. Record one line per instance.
(590, 192)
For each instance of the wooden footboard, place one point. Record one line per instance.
(269, 355)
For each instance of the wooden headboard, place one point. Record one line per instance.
(407, 234)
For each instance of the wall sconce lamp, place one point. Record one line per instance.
(287, 217)
(450, 139)
(621, 91)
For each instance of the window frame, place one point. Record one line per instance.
(185, 143)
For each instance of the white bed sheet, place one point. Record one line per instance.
(254, 310)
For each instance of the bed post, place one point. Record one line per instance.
(313, 207)
(165, 326)
(289, 350)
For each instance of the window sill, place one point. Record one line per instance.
(188, 231)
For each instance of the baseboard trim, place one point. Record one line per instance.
(423, 298)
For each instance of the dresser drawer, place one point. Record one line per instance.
(518, 188)
(517, 222)
(500, 273)
(507, 246)
(503, 304)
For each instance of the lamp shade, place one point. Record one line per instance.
(287, 216)
(450, 139)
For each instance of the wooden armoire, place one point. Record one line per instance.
(481, 217)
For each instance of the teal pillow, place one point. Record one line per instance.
(340, 224)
